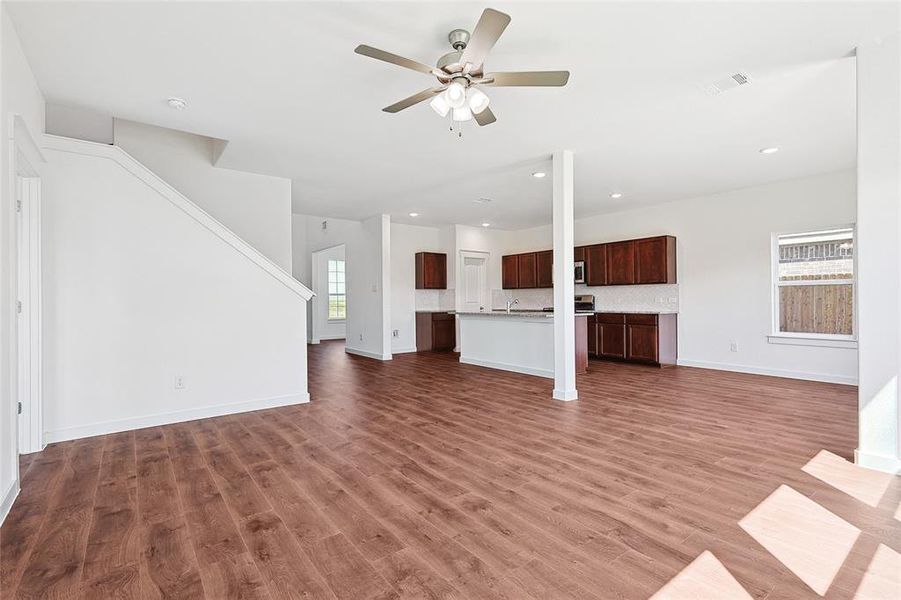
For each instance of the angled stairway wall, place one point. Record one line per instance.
(142, 287)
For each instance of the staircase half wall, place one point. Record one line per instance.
(154, 312)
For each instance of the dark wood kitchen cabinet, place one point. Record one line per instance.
(528, 270)
(510, 272)
(545, 261)
(596, 264)
(431, 271)
(435, 331)
(621, 263)
(579, 254)
(639, 338)
(655, 260)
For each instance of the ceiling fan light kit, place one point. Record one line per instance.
(461, 71)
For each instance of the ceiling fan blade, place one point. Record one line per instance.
(490, 27)
(486, 117)
(414, 99)
(528, 78)
(393, 59)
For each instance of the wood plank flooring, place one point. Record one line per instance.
(425, 478)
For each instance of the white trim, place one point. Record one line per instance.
(332, 337)
(547, 373)
(367, 353)
(9, 497)
(565, 396)
(888, 464)
(813, 340)
(179, 416)
(403, 351)
(177, 199)
(28, 286)
(775, 284)
(824, 377)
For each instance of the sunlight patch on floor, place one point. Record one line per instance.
(808, 539)
(705, 577)
(866, 485)
(882, 581)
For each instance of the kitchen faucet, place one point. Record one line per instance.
(510, 304)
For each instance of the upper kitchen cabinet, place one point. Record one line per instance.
(528, 270)
(431, 271)
(579, 254)
(596, 264)
(545, 262)
(621, 263)
(510, 272)
(655, 260)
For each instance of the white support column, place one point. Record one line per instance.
(879, 252)
(564, 286)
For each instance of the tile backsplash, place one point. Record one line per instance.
(663, 298)
(649, 298)
(435, 299)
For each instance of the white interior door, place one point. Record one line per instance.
(474, 279)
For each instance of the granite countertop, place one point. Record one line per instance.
(514, 313)
(637, 312)
(435, 311)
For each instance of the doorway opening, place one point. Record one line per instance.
(330, 306)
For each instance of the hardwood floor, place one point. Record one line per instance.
(425, 478)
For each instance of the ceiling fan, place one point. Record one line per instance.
(461, 73)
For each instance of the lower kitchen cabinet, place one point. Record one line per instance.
(640, 338)
(435, 331)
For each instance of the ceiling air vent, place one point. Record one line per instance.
(727, 83)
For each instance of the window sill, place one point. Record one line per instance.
(802, 340)
(336, 320)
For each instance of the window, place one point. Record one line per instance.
(814, 284)
(337, 300)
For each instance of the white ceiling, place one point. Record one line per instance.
(281, 82)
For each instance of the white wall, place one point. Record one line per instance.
(406, 241)
(323, 328)
(256, 207)
(879, 251)
(137, 292)
(723, 262)
(368, 273)
(369, 290)
(68, 121)
(20, 96)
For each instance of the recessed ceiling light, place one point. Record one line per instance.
(770, 150)
(414, 214)
(177, 103)
(616, 195)
(539, 174)
(486, 224)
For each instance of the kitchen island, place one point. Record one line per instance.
(520, 340)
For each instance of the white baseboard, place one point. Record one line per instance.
(888, 464)
(332, 337)
(565, 395)
(105, 427)
(367, 353)
(505, 367)
(824, 377)
(403, 350)
(9, 496)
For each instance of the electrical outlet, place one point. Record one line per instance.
(396, 333)
(733, 346)
(361, 337)
(179, 382)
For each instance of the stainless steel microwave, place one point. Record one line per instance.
(580, 271)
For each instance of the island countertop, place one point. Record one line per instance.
(514, 313)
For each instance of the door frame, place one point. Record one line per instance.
(26, 247)
(484, 285)
(321, 296)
